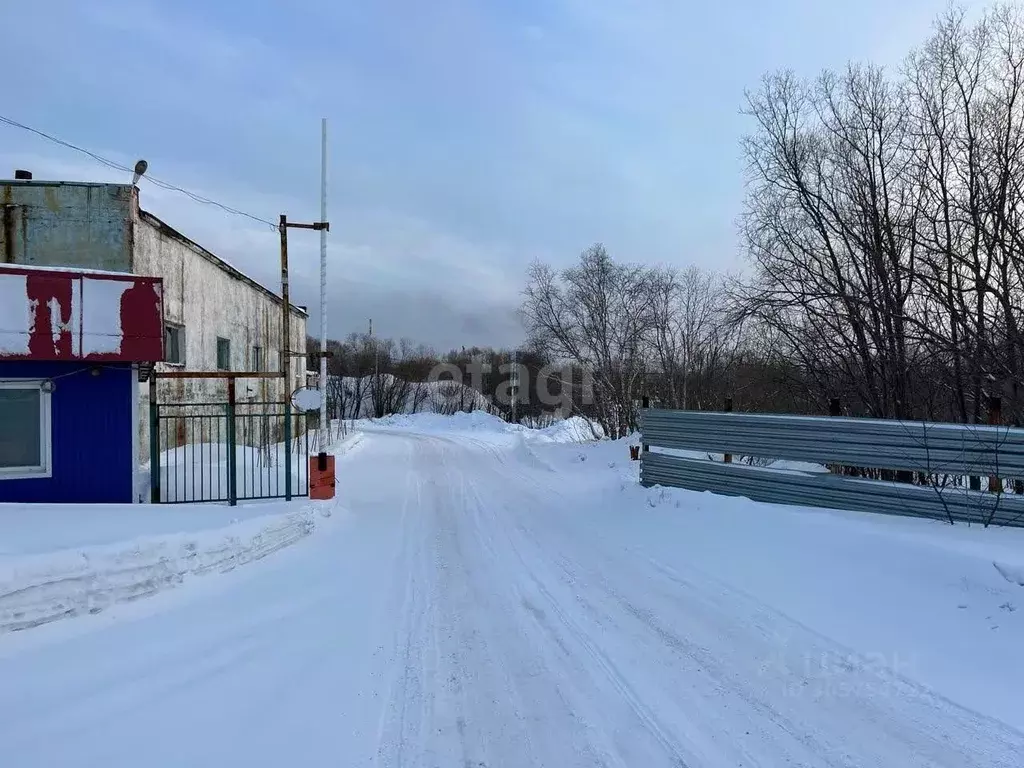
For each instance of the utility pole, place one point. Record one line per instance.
(376, 357)
(514, 385)
(324, 426)
(286, 364)
(286, 360)
(286, 351)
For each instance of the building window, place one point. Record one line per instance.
(223, 354)
(25, 440)
(257, 358)
(174, 348)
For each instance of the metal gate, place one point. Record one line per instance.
(227, 451)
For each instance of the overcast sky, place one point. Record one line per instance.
(466, 138)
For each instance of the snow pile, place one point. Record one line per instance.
(455, 400)
(43, 587)
(421, 397)
(573, 430)
(1012, 573)
(463, 421)
(525, 454)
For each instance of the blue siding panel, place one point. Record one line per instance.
(92, 429)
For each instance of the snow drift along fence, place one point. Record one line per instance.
(941, 453)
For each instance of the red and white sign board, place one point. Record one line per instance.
(48, 314)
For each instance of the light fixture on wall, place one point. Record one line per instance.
(47, 385)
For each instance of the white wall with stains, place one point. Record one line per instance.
(16, 315)
(209, 299)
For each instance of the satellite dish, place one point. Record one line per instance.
(306, 399)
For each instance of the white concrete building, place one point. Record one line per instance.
(217, 318)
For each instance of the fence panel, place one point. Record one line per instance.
(227, 452)
(876, 443)
(933, 449)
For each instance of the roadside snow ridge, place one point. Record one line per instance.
(40, 588)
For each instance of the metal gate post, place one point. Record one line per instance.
(727, 408)
(995, 418)
(287, 446)
(232, 452)
(154, 441)
(305, 426)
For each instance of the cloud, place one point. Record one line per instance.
(380, 264)
(467, 139)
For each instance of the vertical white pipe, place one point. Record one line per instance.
(324, 430)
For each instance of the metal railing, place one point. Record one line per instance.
(933, 461)
(227, 452)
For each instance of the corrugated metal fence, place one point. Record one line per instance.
(933, 460)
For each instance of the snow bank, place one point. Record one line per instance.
(29, 529)
(39, 588)
(572, 430)
(524, 452)
(575, 429)
(939, 604)
(463, 421)
(1012, 573)
(422, 396)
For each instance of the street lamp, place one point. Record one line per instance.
(140, 169)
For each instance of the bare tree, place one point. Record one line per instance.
(831, 228)
(691, 334)
(599, 315)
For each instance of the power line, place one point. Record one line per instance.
(118, 167)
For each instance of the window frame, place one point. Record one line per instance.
(180, 328)
(44, 469)
(257, 358)
(217, 354)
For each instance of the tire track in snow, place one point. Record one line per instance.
(680, 756)
(889, 721)
(454, 688)
(554, 731)
(649, 721)
(393, 726)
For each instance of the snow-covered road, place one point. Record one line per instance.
(462, 613)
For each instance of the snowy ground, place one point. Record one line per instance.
(493, 597)
(63, 568)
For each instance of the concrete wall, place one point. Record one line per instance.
(57, 224)
(210, 299)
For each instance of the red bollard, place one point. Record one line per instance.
(321, 477)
